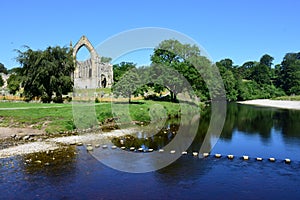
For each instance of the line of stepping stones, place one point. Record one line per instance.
(89, 147)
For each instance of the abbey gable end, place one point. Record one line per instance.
(91, 73)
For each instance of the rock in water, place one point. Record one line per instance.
(89, 148)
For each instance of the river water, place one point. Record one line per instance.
(249, 130)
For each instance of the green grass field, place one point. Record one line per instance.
(54, 118)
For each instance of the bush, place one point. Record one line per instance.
(97, 100)
(58, 99)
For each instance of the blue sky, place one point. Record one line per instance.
(237, 29)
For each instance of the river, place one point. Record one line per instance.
(248, 130)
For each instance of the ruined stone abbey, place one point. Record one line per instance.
(91, 73)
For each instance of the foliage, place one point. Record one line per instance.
(261, 73)
(97, 100)
(105, 59)
(127, 85)
(289, 74)
(230, 82)
(3, 69)
(182, 62)
(13, 83)
(1, 81)
(288, 98)
(45, 73)
(121, 69)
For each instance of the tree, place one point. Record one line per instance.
(121, 68)
(288, 74)
(262, 72)
(128, 85)
(227, 63)
(47, 72)
(13, 83)
(105, 59)
(182, 58)
(266, 60)
(229, 80)
(246, 69)
(3, 69)
(1, 81)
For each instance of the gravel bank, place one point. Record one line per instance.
(55, 143)
(274, 103)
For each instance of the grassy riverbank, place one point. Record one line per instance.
(288, 98)
(53, 118)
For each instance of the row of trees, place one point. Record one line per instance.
(174, 67)
(255, 80)
(252, 80)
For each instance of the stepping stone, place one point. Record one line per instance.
(89, 148)
(245, 157)
(272, 159)
(195, 153)
(132, 148)
(217, 155)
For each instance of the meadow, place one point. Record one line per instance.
(55, 118)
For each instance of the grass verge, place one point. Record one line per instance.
(288, 98)
(54, 118)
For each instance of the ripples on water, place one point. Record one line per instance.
(75, 174)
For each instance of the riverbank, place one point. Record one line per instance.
(51, 144)
(273, 103)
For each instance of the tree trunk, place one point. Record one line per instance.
(129, 98)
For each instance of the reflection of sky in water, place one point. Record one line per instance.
(255, 145)
(188, 178)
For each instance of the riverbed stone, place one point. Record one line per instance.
(26, 137)
(89, 148)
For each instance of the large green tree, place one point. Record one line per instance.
(128, 85)
(288, 74)
(13, 83)
(45, 73)
(121, 68)
(262, 72)
(187, 61)
(230, 81)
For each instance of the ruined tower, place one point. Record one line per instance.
(91, 73)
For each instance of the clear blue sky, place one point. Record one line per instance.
(240, 30)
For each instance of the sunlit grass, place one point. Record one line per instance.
(289, 98)
(55, 118)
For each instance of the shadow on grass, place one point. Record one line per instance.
(132, 102)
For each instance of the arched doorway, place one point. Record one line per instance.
(103, 81)
(84, 42)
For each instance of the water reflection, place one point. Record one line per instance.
(61, 161)
(261, 120)
(260, 131)
(255, 131)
